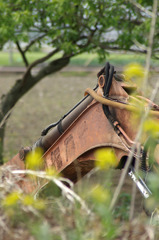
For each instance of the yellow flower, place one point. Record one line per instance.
(151, 126)
(39, 204)
(100, 194)
(28, 200)
(134, 71)
(106, 158)
(34, 159)
(11, 199)
(51, 172)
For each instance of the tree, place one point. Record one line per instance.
(69, 27)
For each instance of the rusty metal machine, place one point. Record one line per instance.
(100, 120)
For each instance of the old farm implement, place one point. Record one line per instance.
(102, 119)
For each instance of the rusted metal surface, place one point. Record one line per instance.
(23, 152)
(85, 130)
(90, 131)
(46, 141)
(85, 163)
(28, 185)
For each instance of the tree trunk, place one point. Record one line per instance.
(21, 87)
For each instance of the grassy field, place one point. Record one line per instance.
(85, 59)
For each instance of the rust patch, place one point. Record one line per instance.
(83, 129)
(56, 158)
(70, 147)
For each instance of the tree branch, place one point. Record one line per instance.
(33, 41)
(89, 37)
(140, 7)
(17, 91)
(43, 59)
(149, 49)
(104, 46)
(52, 67)
(22, 54)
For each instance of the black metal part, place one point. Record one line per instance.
(60, 128)
(108, 72)
(45, 131)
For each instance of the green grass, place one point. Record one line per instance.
(85, 59)
(116, 59)
(17, 59)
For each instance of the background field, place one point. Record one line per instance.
(85, 59)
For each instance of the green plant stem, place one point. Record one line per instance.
(149, 49)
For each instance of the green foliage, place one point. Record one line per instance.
(50, 190)
(74, 26)
(41, 231)
(152, 203)
(151, 127)
(121, 211)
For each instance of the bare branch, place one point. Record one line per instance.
(33, 41)
(105, 46)
(22, 54)
(149, 49)
(139, 6)
(4, 120)
(140, 46)
(35, 63)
